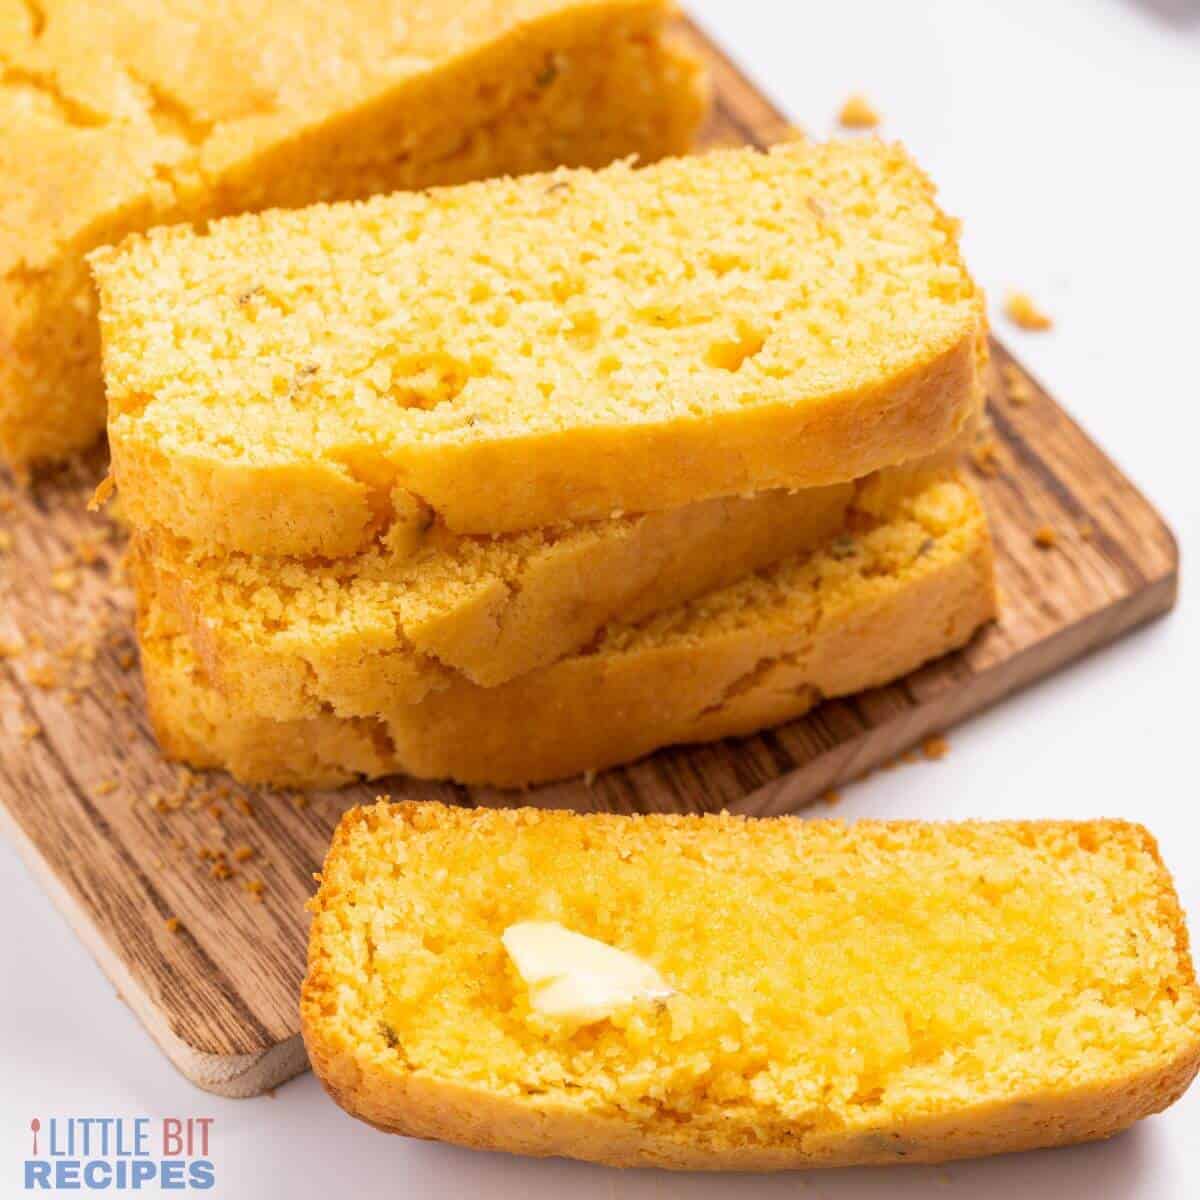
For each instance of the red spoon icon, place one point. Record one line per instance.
(35, 1125)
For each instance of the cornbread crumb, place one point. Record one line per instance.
(935, 748)
(985, 458)
(173, 924)
(87, 552)
(104, 492)
(871, 992)
(1024, 313)
(858, 113)
(42, 675)
(64, 581)
(1016, 384)
(1045, 537)
(6, 541)
(832, 798)
(105, 787)
(244, 853)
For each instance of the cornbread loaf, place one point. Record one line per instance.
(518, 353)
(293, 638)
(869, 993)
(121, 115)
(908, 579)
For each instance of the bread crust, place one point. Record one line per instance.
(441, 1110)
(396, 1099)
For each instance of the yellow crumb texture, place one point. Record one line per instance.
(858, 113)
(522, 352)
(868, 993)
(121, 115)
(1024, 313)
(907, 578)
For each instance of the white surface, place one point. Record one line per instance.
(1067, 134)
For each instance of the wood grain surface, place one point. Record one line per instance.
(190, 891)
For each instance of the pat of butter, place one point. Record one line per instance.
(577, 978)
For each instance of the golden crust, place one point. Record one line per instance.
(162, 116)
(1087, 1103)
(444, 1111)
(858, 612)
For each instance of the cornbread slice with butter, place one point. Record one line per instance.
(909, 578)
(120, 115)
(294, 638)
(518, 353)
(870, 993)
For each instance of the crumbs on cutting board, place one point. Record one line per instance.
(935, 747)
(86, 649)
(985, 458)
(1016, 384)
(1045, 537)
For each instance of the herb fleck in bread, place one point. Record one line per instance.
(908, 578)
(120, 115)
(517, 353)
(869, 993)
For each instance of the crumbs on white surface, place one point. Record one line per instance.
(1023, 312)
(858, 113)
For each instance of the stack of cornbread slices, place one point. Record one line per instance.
(122, 115)
(525, 478)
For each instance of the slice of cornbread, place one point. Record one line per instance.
(869, 993)
(518, 353)
(120, 115)
(908, 579)
(293, 638)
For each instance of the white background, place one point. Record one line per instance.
(1067, 133)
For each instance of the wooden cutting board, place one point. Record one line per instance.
(190, 892)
